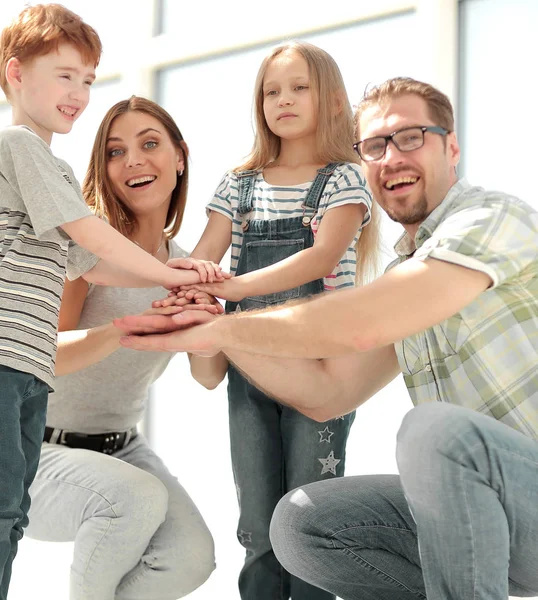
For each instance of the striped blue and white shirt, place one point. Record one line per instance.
(347, 185)
(38, 193)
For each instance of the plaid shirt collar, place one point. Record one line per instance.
(406, 245)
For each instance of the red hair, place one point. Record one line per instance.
(39, 30)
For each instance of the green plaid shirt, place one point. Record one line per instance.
(486, 356)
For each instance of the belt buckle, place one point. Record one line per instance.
(111, 443)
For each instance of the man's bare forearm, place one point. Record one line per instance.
(408, 299)
(321, 389)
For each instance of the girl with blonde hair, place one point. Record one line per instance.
(300, 219)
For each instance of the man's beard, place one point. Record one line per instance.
(416, 214)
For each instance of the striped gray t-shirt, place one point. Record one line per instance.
(38, 193)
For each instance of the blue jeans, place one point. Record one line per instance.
(23, 408)
(460, 523)
(275, 449)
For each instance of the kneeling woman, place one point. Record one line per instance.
(137, 533)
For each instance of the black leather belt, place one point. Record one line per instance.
(108, 443)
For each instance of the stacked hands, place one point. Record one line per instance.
(184, 307)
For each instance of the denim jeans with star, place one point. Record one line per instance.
(460, 522)
(274, 450)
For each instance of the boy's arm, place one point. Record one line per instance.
(336, 232)
(128, 265)
(51, 196)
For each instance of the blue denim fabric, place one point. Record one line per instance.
(274, 448)
(459, 523)
(23, 409)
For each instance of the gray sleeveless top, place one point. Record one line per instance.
(110, 395)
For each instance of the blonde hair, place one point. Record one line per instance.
(97, 188)
(439, 106)
(39, 30)
(334, 134)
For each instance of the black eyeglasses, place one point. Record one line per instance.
(410, 138)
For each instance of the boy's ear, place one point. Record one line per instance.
(13, 72)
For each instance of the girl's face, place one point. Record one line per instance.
(289, 103)
(142, 163)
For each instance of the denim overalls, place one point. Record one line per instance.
(275, 448)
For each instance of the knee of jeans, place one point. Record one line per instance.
(199, 562)
(143, 499)
(291, 527)
(432, 433)
(183, 570)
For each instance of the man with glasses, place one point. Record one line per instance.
(457, 313)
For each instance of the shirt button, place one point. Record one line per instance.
(428, 367)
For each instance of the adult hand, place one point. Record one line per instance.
(167, 311)
(175, 333)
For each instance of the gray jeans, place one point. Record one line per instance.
(459, 523)
(137, 534)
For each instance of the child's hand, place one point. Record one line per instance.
(199, 298)
(179, 277)
(187, 299)
(173, 299)
(208, 270)
(231, 289)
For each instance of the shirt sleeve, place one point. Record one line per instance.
(498, 237)
(223, 196)
(79, 261)
(45, 187)
(346, 186)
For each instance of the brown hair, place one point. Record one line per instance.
(97, 189)
(39, 30)
(334, 134)
(439, 106)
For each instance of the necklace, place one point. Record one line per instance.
(152, 253)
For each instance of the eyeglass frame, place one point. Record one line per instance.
(390, 138)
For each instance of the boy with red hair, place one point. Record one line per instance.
(48, 57)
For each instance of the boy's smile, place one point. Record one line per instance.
(52, 91)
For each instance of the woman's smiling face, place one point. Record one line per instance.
(142, 162)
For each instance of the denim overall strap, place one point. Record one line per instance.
(245, 183)
(318, 185)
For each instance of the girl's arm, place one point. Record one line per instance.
(127, 265)
(336, 232)
(215, 240)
